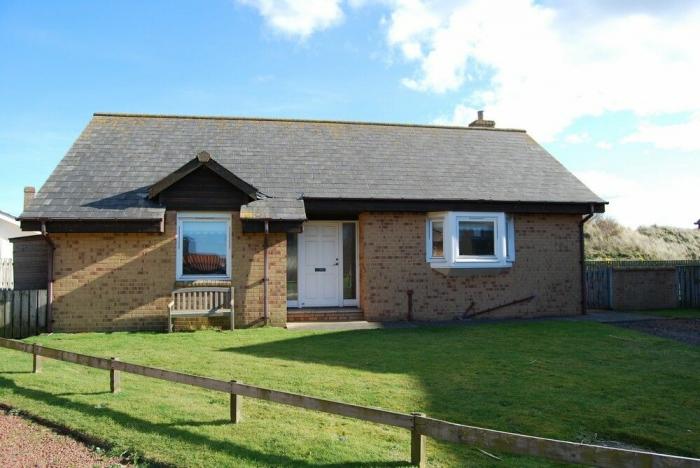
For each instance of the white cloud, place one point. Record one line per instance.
(577, 138)
(684, 136)
(665, 201)
(538, 67)
(298, 18)
(604, 145)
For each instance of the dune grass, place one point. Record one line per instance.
(575, 381)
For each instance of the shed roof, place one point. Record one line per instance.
(108, 171)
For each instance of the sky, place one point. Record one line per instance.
(609, 88)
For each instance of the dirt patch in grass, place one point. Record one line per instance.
(683, 330)
(26, 443)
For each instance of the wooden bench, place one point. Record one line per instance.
(201, 302)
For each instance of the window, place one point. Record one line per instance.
(203, 246)
(292, 266)
(349, 262)
(476, 238)
(470, 240)
(436, 238)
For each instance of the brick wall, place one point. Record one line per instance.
(123, 281)
(644, 289)
(392, 260)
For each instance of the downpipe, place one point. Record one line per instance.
(49, 277)
(582, 254)
(266, 279)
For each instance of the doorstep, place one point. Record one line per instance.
(325, 314)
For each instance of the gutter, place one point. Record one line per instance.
(582, 254)
(49, 278)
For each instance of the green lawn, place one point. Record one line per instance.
(672, 313)
(576, 381)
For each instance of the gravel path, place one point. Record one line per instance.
(683, 330)
(24, 444)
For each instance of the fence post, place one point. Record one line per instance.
(36, 360)
(418, 455)
(114, 378)
(235, 405)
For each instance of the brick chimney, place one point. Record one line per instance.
(29, 193)
(481, 123)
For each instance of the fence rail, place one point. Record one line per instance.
(22, 312)
(420, 425)
(6, 274)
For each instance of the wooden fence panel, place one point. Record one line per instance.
(8, 313)
(42, 297)
(22, 313)
(16, 314)
(598, 287)
(2, 313)
(689, 286)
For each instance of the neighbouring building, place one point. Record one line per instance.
(309, 220)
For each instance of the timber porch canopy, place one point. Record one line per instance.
(124, 171)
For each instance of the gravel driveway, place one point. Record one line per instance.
(683, 330)
(24, 443)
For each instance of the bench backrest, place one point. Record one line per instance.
(202, 299)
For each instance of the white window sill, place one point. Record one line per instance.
(203, 278)
(471, 265)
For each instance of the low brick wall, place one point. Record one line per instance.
(644, 288)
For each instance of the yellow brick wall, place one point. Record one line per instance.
(392, 261)
(123, 281)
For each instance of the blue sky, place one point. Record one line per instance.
(610, 91)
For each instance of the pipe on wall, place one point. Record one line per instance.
(49, 278)
(266, 280)
(582, 254)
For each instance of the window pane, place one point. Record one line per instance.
(204, 247)
(349, 270)
(476, 238)
(292, 266)
(436, 237)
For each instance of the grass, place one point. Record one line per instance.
(576, 381)
(671, 313)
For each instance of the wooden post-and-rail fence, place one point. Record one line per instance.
(420, 425)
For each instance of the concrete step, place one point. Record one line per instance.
(325, 316)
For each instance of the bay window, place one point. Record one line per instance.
(470, 240)
(203, 246)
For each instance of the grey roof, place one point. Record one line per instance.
(283, 209)
(108, 170)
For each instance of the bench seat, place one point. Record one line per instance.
(201, 302)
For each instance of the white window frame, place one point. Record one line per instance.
(504, 240)
(202, 217)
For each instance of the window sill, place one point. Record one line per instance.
(473, 266)
(193, 283)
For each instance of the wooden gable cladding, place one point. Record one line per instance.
(203, 190)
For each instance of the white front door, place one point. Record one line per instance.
(321, 265)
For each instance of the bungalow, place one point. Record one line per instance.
(308, 219)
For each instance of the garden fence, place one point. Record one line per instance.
(22, 312)
(421, 426)
(636, 284)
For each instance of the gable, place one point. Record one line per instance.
(203, 190)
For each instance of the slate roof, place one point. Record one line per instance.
(281, 209)
(108, 170)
